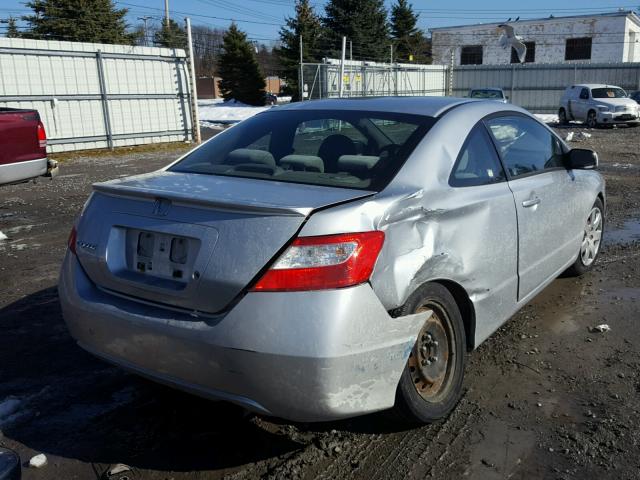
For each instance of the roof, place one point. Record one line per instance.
(428, 106)
(620, 13)
(594, 85)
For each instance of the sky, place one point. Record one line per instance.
(262, 19)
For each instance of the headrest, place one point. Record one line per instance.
(307, 163)
(357, 163)
(247, 155)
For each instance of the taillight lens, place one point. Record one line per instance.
(73, 238)
(42, 136)
(319, 263)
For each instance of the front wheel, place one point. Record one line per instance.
(431, 383)
(562, 117)
(592, 120)
(591, 241)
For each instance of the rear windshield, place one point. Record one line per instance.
(349, 149)
(486, 94)
(608, 93)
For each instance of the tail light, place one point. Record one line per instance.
(319, 263)
(42, 136)
(73, 238)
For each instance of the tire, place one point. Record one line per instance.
(587, 259)
(562, 117)
(592, 119)
(9, 465)
(431, 383)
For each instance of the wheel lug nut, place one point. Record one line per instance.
(433, 359)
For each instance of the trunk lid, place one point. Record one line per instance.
(191, 241)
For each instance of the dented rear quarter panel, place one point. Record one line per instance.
(465, 235)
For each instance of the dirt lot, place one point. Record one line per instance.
(544, 398)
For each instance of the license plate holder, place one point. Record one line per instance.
(163, 255)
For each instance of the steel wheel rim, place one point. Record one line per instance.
(592, 237)
(430, 363)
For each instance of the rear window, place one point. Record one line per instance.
(349, 149)
(608, 93)
(490, 94)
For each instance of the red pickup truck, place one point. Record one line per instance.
(23, 147)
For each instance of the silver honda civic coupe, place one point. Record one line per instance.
(332, 258)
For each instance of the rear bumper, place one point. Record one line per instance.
(304, 356)
(21, 171)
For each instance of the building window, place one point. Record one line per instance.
(578, 49)
(530, 57)
(471, 55)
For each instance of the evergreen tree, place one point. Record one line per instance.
(12, 28)
(306, 24)
(240, 74)
(171, 36)
(409, 43)
(363, 22)
(78, 21)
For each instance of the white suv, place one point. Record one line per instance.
(597, 104)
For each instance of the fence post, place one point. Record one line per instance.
(451, 70)
(105, 100)
(513, 80)
(195, 118)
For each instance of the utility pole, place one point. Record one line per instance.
(350, 67)
(390, 65)
(145, 19)
(195, 119)
(344, 51)
(301, 79)
(166, 13)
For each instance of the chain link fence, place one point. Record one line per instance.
(372, 79)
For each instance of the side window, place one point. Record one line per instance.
(478, 162)
(584, 94)
(525, 146)
(261, 143)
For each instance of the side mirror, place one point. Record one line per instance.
(582, 159)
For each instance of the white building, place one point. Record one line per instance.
(599, 38)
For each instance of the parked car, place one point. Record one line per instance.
(271, 99)
(596, 104)
(340, 269)
(23, 143)
(489, 94)
(635, 96)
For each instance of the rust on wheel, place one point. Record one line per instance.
(431, 360)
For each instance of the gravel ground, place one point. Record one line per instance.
(544, 397)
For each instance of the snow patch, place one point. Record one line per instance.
(547, 117)
(219, 112)
(3, 236)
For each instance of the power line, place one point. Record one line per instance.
(204, 16)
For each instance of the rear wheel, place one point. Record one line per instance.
(562, 117)
(592, 120)
(431, 383)
(591, 241)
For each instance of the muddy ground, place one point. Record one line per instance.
(544, 397)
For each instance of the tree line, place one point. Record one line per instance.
(373, 33)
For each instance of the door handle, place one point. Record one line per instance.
(531, 202)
